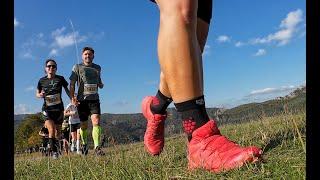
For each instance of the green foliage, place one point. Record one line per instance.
(26, 134)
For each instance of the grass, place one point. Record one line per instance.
(282, 139)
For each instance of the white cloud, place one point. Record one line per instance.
(58, 32)
(27, 55)
(287, 29)
(239, 44)
(223, 38)
(40, 35)
(292, 19)
(272, 90)
(62, 40)
(30, 88)
(16, 22)
(21, 109)
(260, 52)
(35, 42)
(53, 52)
(206, 50)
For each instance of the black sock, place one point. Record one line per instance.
(193, 114)
(52, 143)
(160, 104)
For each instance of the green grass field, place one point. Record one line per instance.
(282, 139)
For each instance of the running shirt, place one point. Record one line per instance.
(73, 119)
(53, 89)
(89, 80)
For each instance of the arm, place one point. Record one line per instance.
(68, 92)
(65, 86)
(39, 94)
(73, 78)
(72, 88)
(39, 91)
(41, 133)
(68, 112)
(100, 85)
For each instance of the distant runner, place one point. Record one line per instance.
(87, 74)
(44, 133)
(71, 111)
(50, 88)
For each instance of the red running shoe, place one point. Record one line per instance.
(210, 150)
(154, 135)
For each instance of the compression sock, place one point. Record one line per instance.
(193, 114)
(96, 134)
(78, 145)
(160, 103)
(84, 135)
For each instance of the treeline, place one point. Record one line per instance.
(26, 135)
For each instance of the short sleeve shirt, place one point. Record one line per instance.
(53, 89)
(73, 119)
(88, 78)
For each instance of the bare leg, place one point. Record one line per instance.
(51, 128)
(178, 47)
(202, 34)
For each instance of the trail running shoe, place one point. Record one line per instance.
(210, 150)
(98, 151)
(154, 135)
(73, 148)
(85, 149)
(55, 155)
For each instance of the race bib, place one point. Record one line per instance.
(90, 89)
(53, 99)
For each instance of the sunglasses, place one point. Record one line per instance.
(53, 66)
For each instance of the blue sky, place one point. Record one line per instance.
(256, 50)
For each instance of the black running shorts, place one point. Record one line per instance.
(88, 107)
(55, 116)
(204, 10)
(75, 127)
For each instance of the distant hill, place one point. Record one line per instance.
(294, 102)
(125, 128)
(18, 118)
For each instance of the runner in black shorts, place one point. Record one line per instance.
(50, 88)
(65, 135)
(87, 74)
(44, 133)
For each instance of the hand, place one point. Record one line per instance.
(101, 85)
(75, 101)
(41, 94)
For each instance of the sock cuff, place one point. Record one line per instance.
(162, 96)
(194, 103)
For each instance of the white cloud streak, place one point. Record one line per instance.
(62, 40)
(260, 52)
(223, 38)
(21, 109)
(30, 88)
(53, 52)
(288, 27)
(239, 44)
(272, 90)
(206, 50)
(16, 22)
